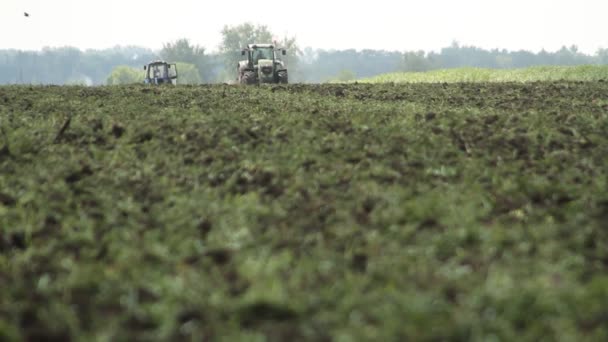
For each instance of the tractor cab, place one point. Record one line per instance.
(160, 72)
(257, 52)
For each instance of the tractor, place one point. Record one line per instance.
(263, 65)
(160, 72)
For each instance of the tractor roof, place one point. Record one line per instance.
(157, 62)
(255, 46)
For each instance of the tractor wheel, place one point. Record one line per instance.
(282, 76)
(248, 77)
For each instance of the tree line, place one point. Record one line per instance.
(119, 65)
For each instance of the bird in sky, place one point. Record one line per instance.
(25, 14)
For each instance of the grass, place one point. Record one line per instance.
(531, 74)
(304, 212)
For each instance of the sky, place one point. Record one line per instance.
(425, 25)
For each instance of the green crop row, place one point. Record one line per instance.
(532, 74)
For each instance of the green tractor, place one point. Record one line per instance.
(263, 65)
(160, 72)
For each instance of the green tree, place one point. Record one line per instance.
(188, 74)
(415, 61)
(504, 62)
(602, 56)
(125, 75)
(184, 52)
(346, 75)
(292, 59)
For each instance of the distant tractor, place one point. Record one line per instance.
(160, 72)
(263, 65)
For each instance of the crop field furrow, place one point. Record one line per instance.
(456, 211)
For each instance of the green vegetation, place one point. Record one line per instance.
(125, 75)
(69, 65)
(346, 76)
(532, 74)
(62, 65)
(191, 59)
(188, 74)
(335, 212)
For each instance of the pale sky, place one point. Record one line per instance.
(380, 24)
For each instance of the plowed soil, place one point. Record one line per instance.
(305, 212)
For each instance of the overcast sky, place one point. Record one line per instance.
(380, 24)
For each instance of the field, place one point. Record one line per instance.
(531, 74)
(456, 211)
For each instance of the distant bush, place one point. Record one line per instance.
(188, 74)
(346, 75)
(540, 73)
(125, 75)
